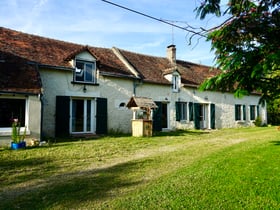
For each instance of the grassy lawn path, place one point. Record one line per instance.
(224, 169)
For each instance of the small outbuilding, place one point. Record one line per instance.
(142, 120)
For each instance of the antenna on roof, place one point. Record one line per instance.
(172, 23)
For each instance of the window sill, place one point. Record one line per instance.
(85, 83)
(8, 132)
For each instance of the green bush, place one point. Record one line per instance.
(258, 122)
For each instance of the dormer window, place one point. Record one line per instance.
(176, 82)
(85, 71)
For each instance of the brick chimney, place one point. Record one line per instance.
(171, 53)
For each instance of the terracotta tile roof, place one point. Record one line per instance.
(154, 68)
(57, 53)
(53, 52)
(17, 76)
(150, 68)
(194, 74)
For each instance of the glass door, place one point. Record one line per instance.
(82, 115)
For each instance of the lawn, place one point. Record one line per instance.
(223, 169)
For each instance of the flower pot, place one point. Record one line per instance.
(16, 146)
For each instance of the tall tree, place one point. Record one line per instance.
(246, 45)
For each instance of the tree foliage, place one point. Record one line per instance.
(246, 45)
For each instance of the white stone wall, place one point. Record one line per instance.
(224, 104)
(119, 90)
(116, 90)
(34, 121)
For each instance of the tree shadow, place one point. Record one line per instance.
(182, 133)
(22, 170)
(276, 143)
(70, 190)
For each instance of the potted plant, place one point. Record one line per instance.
(17, 138)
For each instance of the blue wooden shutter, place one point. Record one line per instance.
(157, 114)
(178, 111)
(101, 116)
(62, 116)
(252, 112)
(212, 120)
(236, 112)
(244, 112)
(197, 116)
(191, 111)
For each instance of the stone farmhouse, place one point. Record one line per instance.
(57, 88)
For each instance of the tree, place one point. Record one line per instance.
(273, 112)
(246, 45)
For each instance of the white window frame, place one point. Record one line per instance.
(184, 110)
(92, 119)
(176, 82)
(93, 71)
(7, 131)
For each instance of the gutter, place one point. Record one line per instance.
(19, 93)
(56, 67)
(117, 75)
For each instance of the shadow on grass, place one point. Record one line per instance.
(182, 133)
(53, 141)
(23, 169)
(72, 189)
(277, 143)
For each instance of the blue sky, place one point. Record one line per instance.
(96, 23)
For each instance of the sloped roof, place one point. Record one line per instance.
(153, 69)
(51, 52)
(150, 68)
(141, 102)
(56, 53)
(17, 76)
(194, 74)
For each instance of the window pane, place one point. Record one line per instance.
(89, 72)
(237, 112)
(78, 115)
(12, 109)
(184, 111)
(79, 71)
(252, 112)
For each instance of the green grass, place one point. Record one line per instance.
(224, 169)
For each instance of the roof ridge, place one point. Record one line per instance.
(54, 39)
(123, 59)
(142, 54)
(41, 36)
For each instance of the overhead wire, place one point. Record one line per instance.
(157, 19)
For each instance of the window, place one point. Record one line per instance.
(254, 112)
(181, 111)
(240, 112)
(175, 83)
(82, 112)
(85, 71)
(12, 109)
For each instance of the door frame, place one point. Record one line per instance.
(85, 115)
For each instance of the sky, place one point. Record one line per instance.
(100, 24)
